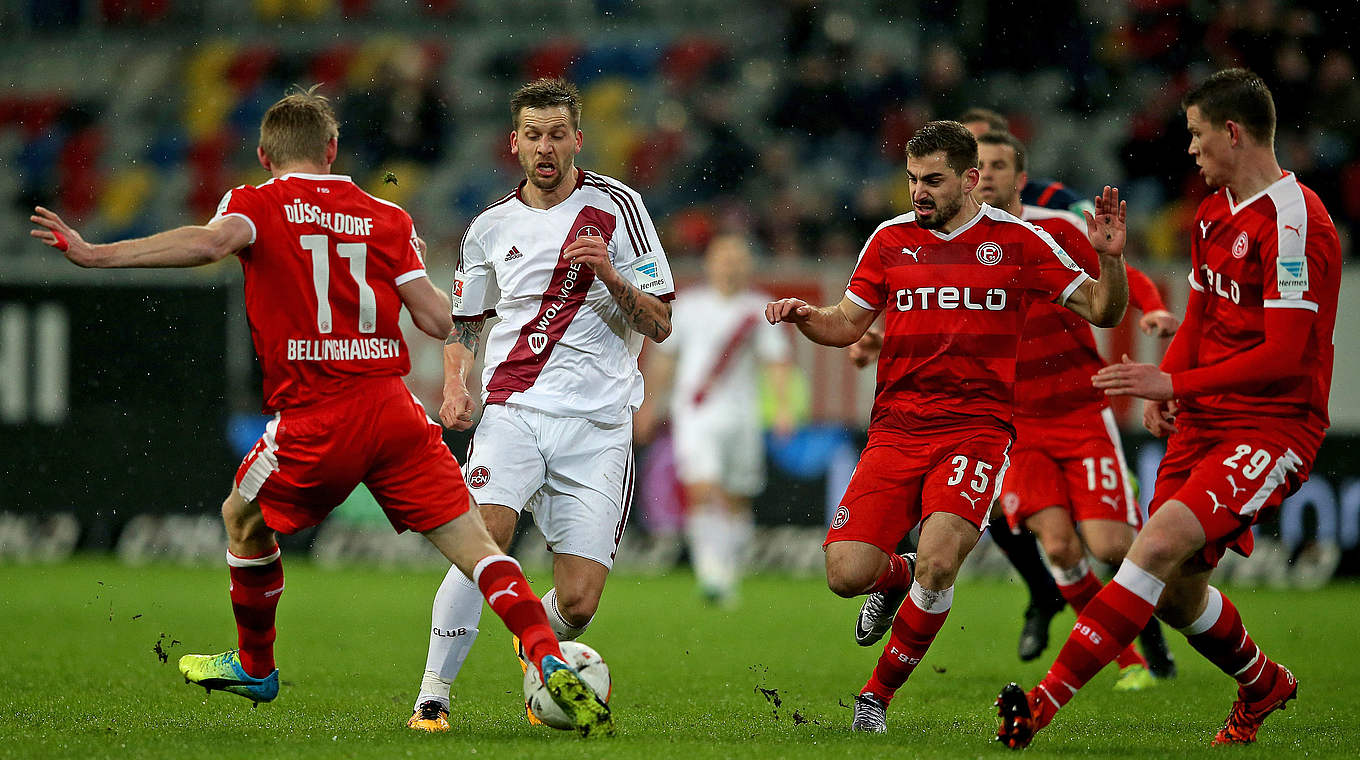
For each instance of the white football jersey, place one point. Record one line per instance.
(562, 345)
(719, 342)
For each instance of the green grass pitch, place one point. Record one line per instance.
(81, 678)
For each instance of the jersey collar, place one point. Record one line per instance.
(1233, 208)
(982, 211)
(519, 189)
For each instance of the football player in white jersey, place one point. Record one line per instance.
(571, 264)
(715, 355)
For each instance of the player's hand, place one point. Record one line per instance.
(1160, 323)
(456, 411)
(61, 236)
(864, 351)
(793, 310)
(1107, 228)
(1129, 378)
(1159, 417)
(592, 251)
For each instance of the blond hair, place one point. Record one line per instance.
(298, 128)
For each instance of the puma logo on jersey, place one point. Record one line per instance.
(1294, 229)
(507, 590)
(513, 254)
(912, 254)
(1113, 501)
(1235, 488)
(1217, 504)
(971, 499)
(1204, 229)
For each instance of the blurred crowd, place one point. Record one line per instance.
(785, 119)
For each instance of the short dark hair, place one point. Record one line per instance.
(996, 137)
(960, 149)
(547, 93)
(1236, 95)
(298, 127)
(995, 121)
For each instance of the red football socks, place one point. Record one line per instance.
(256, 584)
(1082, 588)
(919, 619)
(507, 591)
(896, 577)
(1108, 625)
(1219, 635)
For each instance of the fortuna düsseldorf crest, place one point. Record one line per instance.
(989, 253)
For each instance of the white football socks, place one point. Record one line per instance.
(565, 631)
(457, 611)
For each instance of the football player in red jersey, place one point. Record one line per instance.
(1068, 467)
(955, 280)
(327, 270)
(1242, 395)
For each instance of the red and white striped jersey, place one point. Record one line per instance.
(1275, 250)
(562, 345)
(321, 277)
(956, 306)
(1058, 353)
(719, 343)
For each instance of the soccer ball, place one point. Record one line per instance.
(588, 664)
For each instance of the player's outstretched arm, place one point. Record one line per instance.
(658, 374)
(645, 313)
(460, 352)
(865, 350)
(838, 325)
(188, 246)
(429, 306)
(1102, 301)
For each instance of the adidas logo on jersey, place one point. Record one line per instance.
(513, 254)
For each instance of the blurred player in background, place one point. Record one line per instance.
(571, 263)
(1019, 546)
(1242, 393)
(955, 281)
(327, 270)
(1036, 191)
(714, 358)
(1068, 470)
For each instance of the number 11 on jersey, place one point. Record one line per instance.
(357, 253)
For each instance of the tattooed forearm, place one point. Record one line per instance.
(468, 333)
(648, 315)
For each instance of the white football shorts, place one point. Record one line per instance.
(573, 474)
(723, 448)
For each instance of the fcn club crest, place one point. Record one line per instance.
(989, 253)
(1240, 246)
(479, 477)
(589, 230)
(537, 342)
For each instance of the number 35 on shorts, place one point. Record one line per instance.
(981, 473)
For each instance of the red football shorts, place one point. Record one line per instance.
(1232, 478)
(311, 458)
(1074, 462)
(904, 478)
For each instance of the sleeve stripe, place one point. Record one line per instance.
(859, 301)
(1291, 304)
(632, 219)
(1072, 286)
(253, 232)
(414, 274)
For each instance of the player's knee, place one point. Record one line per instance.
(577, 609)
(1063, 551)
(848, 579)
(936, 572)
(1110, 549)
(1156, 550)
